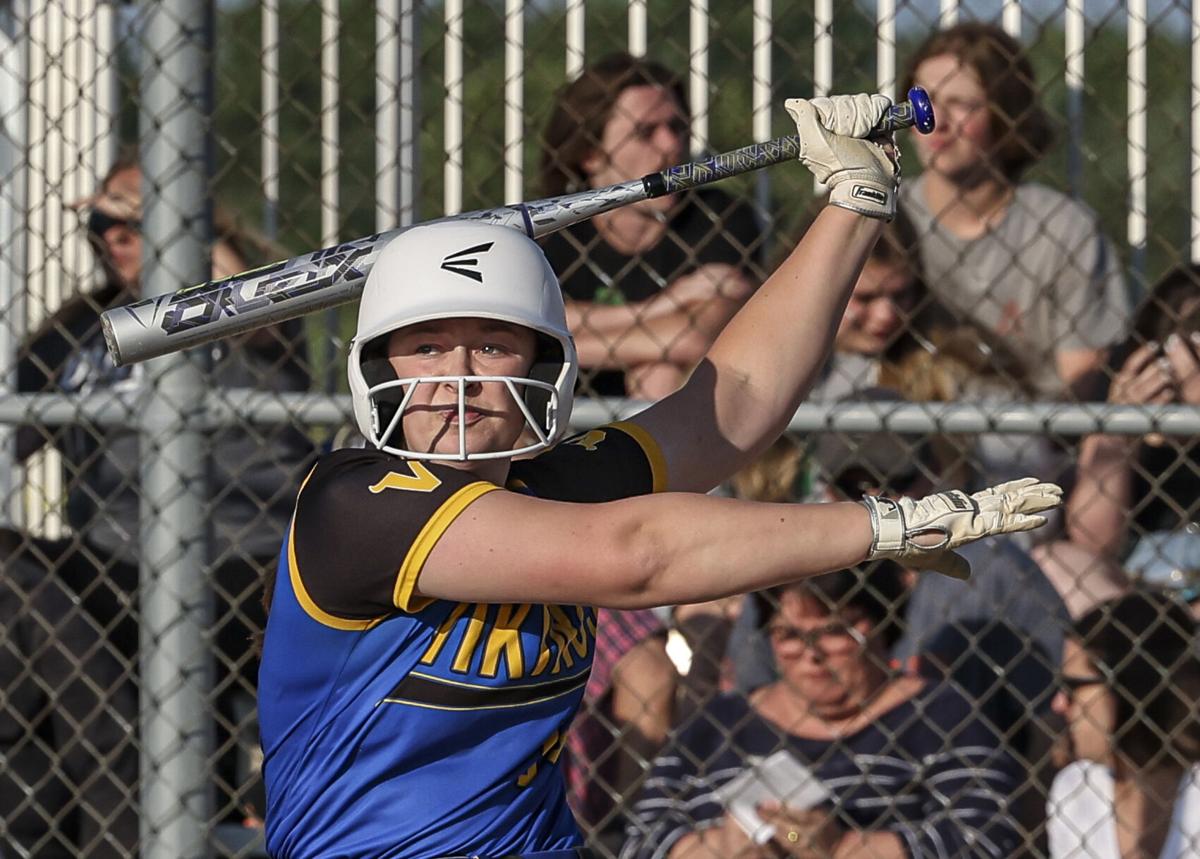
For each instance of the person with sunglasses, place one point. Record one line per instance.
(910, 768)
(252, 478)
(1128, 691)
(648, 286)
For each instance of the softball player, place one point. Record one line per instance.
(431, 627)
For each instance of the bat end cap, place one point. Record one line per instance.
(923, 120)
(110, 340)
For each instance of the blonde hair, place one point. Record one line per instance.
(773, 476)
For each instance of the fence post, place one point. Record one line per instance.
(175, 597)
(14, 23)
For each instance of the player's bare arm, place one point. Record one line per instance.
(759, 368)
(638, 552)
(685, 548)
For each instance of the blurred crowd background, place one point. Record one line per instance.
(1034, 309)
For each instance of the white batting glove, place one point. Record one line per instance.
(959, 518)
(849, 115)
(861, 175)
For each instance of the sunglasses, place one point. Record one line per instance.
(99, 223)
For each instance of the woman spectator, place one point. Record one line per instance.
(1147, 487)
(648, 286)
(1021, 260)
(1129, 689)
(911, 770)
(896, 335)
(253, 472)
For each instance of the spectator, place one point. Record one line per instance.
(649, 286)
(1142, 494)
(253, 476)
(1129, 688)
(911, 768)
(997, 635)
(895, 334)
(1021, 260)
(627, 709)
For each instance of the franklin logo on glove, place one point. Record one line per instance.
(862, 192)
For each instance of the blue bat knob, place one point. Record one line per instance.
(922, 109)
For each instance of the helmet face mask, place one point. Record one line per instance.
(382, 436)
(461, 270)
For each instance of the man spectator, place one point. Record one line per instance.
(649, 286)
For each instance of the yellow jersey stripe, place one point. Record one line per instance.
(308, 604)
(649, 446)
(418, 552)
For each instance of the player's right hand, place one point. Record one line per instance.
(862, 175)
(954, 518)
(849, 115)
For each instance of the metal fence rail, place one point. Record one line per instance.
(140, 510)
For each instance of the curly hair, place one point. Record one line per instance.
(1021, 129)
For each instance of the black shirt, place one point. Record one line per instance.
(708, 227)
(1166, 477)
(254, 471)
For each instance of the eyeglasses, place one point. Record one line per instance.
(836, 637)
(1070, 686)
(99, 223)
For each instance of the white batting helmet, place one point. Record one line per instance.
(455, 270)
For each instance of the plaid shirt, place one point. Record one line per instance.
(588, 764)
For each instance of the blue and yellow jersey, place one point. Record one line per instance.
(398, 725)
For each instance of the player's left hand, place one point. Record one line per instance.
(922, 533)
(811, 833)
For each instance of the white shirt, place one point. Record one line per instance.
(1081, 823)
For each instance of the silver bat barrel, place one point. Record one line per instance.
(300, 285)
(336, 275)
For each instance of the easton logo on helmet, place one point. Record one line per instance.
(459, 262)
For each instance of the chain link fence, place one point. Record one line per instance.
(1040, 319)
